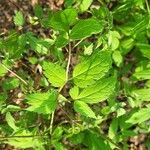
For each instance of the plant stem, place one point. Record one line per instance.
(67, 77)
(51, 123)
(68, 64)
(147, 5)
(14, 74)
(148, 9)
(77, 43)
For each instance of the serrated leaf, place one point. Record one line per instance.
(24, 143)
(19, 19)
(142, 94)
(126, 45)
(56, 74)
(84, 109)
(98, 91)
(85, 28)
(42, 103)
(142, 75)
(61, 20)
(117, 57)
(136, 117)
(145, 49)
(74, 92)
(92, 68)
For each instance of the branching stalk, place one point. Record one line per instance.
(67, 78)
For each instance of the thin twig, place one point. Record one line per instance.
(77, 43)
(68, 64)
(51, 123)
(14, 74)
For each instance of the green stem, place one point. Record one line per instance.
(147, 5)
(68, 64)
(67, 77)
(51, 123)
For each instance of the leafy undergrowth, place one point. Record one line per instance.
(85, 85)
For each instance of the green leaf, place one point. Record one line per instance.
(56, 74)
(117, 57)
(23, 143)
(38, 11)
(77, 139)
(85, 28)
(39, 45)
(3, 71)
(95, 142)
(84, 109)
(85, 5)
(88, 50)
(74, 92)
(139, 116)
(142, 94)
(70, 16)
(92, 68)
(61, 41)
(142, 75)
(42, 103)
(62, 20)
(126, 45)
(57, 134)
(10, 83)
(113, 129)
(99, 91)
(113, 39)
(58, 145)
(11, 121)
(144, 49)
(19, 19)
